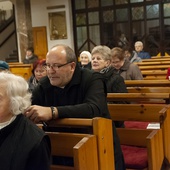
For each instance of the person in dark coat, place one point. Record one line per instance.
(23, 146)
(30, 57)
(71, 92)
(101, 62)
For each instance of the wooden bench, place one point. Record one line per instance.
(154, 74)
(101, 128)
(81, 147)
(147, 83)
(153, 63)
(23, 70)
(148, 89)
(145, 113)
(157, 59)
(154, 67)
(139, 97)
(142, 138)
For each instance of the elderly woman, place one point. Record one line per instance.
(121, 65)
(22, 144)
(85, 60)
(101, 62)
(38, 71)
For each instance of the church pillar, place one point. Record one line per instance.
(23, 26)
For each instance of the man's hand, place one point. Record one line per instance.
(38, 113)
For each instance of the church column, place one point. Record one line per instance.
(23, 26)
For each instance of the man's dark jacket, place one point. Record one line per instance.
(83, 97)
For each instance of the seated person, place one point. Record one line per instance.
(71, 92)
(30, 56)
(101, 62)
(139, 49)
(129, 71)
(38, 71)
(4, 66)
(131, 55)
(85, 60)
(23, 146)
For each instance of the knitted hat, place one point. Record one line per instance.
(86, 53)
(4, 65)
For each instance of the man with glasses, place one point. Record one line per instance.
(70, 92)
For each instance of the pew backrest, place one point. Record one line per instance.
(139, 97)
(24, 70)
(81, 147)
(145, 113)
(147, 83)
(102, 129)
(151, 139)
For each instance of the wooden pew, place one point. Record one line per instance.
(155, 67)
(139, 97)
(147, 83)
(101, 128)
(23, 70)
(150, 139)
(145, 113)
(157, 59)
(148, 89)
(81, 147)
(154, 74)
(153, 63)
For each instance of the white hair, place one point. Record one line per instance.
(17, 91)
(139, 43)
(86, 53)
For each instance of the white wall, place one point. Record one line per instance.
(39, 13)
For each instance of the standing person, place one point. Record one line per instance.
(140, 52)
(101, 62)
(85, 59)
(129, 71)
(131, 55)
(23, 146)
(30, 56)
(71, 92)
(38, 71)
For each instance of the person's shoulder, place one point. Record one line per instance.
(91, 74)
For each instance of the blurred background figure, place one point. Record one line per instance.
(122, 41)
(131, 55)
(4, 66)
(30, 56)
(140, 52)
(121, 65)
(38, 71)
(85, 60)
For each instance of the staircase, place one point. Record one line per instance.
(8, 40)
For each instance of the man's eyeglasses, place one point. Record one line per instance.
(55, 66)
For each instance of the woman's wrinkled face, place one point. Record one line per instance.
(84, 59)
(98, 63)
(5, 113)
